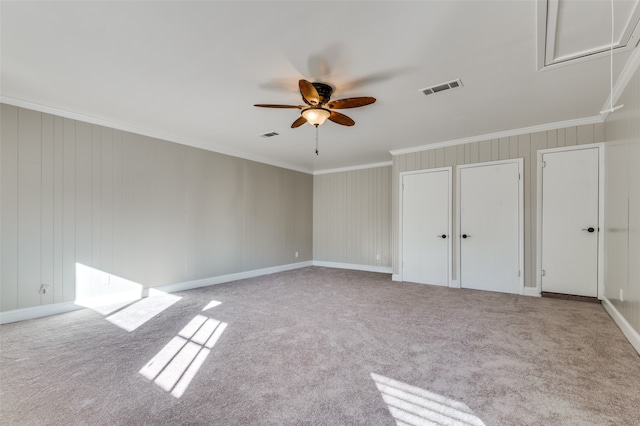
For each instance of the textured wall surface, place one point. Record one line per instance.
(523, 146)
(151, 211)
(622, 206)
(352, 217)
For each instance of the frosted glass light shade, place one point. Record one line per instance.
(316, 116)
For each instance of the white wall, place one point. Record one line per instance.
(352, 217)
(150, 211)
(622, 211)
(346, 203)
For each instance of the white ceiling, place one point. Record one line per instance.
(191, 71)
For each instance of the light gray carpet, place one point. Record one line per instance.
(320, 346)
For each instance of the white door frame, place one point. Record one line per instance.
(520, 163)
(450, 206)
(600, 147)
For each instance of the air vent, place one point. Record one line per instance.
(441, 87)
(269, 134)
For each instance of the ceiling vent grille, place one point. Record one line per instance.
(442, 87)
(269, 134)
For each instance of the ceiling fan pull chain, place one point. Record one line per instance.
(317, 139)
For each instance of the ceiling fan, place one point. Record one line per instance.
(319, 106)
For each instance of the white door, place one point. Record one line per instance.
(490, 226)
(570, 222)
(426, 213)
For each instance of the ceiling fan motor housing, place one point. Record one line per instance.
(324, 92)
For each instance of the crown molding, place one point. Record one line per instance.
(514, 132)
(352, 168)
(145, 132)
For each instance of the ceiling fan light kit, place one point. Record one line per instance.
(316, 116)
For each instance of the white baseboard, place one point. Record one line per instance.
(60, 308)
(531, 291)
(353, 266)
(454, 284)
(628, 331)
(204, 282)
(396, 277)
(38, 312)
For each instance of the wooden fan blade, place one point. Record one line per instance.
(308, 92)
(279, 106)
(339, 118)
(299, 122)
(351, 102)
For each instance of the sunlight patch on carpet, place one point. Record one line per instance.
(410, 405)
(175, 366)
(211, 304)
(140, 312)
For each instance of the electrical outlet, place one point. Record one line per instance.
(621, 295)
(296, 254)
(43, 289)
(377, 257)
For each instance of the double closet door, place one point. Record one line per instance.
(488, 239)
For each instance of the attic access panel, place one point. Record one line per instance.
(570, 30)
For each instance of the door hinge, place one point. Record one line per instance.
(543, 273)
(544, 164)
(519, 272)
(519, 176)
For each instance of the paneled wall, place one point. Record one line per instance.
(352, 217)
(622, 206)
(523, 146)
(151, 211)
